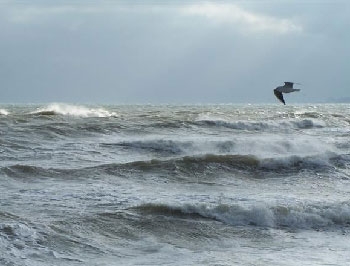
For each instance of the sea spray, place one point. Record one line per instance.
(73, 110)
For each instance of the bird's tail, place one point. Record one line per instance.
(296, 89)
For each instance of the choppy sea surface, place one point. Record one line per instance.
(174, 185)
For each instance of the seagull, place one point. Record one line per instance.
(286, 88)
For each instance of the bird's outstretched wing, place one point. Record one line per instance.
(288, 84)
(279, 96)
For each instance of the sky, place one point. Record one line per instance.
(177, 52)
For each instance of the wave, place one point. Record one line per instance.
(308, 114)
(262, 145)
(306, 216)
(21, 240)
(159, 146)
(264, 126)
(4, 112)
(26, 171)
(189, 166)
(255, 166)
(73, 110)
(19, 230)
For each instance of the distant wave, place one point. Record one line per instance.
(264, 126)
(73, 110)
(210, 164)
(29, 171)
(227, 163)
(262, 145)
(303, 216)
(3, 112)
(160, 146)
(196, 164)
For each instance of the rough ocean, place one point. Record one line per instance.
(174, 185)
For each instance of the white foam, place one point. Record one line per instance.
(17, 238)
(313, 216)
(75, 110)
(279, 146)
(20, 231)
(3, 112)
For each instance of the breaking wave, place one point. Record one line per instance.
(22, 231)
(3, 112)
(73, 110)
(262, 146)
(212, 163)
(303, 216)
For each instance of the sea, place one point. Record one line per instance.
(229, 184)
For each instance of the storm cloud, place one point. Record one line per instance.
(173, 52)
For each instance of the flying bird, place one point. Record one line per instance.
(286, 88)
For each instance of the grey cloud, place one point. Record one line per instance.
(157, 53)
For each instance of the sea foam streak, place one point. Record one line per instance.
(73, 110)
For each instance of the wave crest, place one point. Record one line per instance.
(4, 112)
(73, 110)
(212, 163)
(197, 164)
(188, 166)
(296, 217)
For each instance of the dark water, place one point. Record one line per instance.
(174, 185)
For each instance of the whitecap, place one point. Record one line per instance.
(73, 110)
(3, 112)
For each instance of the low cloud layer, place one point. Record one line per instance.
(193, 52)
